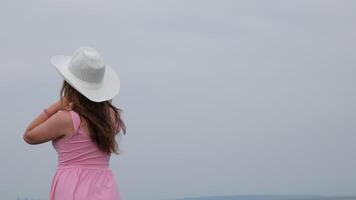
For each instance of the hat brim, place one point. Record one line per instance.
(109, 88)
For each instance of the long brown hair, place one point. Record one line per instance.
(101, 128)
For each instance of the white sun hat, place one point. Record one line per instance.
(86, 72)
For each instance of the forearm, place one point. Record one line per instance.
(42, 117)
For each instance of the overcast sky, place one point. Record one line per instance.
(219, 97)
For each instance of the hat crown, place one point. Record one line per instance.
(87, 65)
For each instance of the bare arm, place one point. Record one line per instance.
(44, 128)
(42, 117)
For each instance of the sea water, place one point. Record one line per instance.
(273, 197)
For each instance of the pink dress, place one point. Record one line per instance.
(83, 171)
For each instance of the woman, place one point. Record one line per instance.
(82, 126)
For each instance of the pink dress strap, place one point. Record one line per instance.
(75, 120)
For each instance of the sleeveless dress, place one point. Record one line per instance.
(83, 171)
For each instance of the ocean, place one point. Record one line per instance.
(272, 197)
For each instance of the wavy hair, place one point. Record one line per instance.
(102, 128)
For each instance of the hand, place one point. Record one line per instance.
(66, 105)
(59, 105)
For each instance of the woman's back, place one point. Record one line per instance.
(83, 169)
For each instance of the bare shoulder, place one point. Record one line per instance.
(63, 116)
(64, 120)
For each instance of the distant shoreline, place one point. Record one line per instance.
(271, 197)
